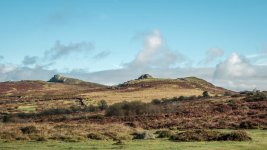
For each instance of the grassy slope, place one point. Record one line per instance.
(40, 95)
(145, 95)
(259, 142)
(155, 88)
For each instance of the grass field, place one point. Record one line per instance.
(259, 142)
(143, 95)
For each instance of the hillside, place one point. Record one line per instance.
(64, 92)
(45, 111)
(149, 88)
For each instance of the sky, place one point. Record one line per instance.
(112, 41)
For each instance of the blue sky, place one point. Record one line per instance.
(83, 37)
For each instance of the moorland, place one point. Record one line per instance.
(143, 113)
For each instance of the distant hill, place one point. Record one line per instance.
(145, 88)
(147, 81)
(57, 85)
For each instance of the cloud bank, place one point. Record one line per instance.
(236, 72)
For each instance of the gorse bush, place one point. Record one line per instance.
(102, 105)
(248, 125)
(29, 130)
(234, 136)
(146, 135)
(209, 135)
(256, 96)
(128, 109)
(164, 133)
(139, 108)
(156, 102)
(205, 94)
(195, 135)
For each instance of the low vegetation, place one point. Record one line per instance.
(146, 135)
(256, 96)
(209, 135)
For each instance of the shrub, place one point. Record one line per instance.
(181, 98)
(248, 125)
(102, 105)
(119, 142)
(227, 93)
(156, 102)
(164, 133)
(127, 109)
(206, 135)
(139, 108)
(232, 104)
(234, 136)
(66, 138)
(8, 135)
(6, 118)
(117, 135)
(195, 135)
(144, 135)
(96, 136)
(41, 139)
(258, 96)
(132, 124)
(37, 137)
(55, 111)
(29, 130)
(205, 94)
(92, 108)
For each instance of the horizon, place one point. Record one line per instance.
(109, 42)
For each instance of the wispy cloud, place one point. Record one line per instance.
(1, 58)
(58, 18)
(29, 60)
(102, 55)
(59, 50)
(212, 54)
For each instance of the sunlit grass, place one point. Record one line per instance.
(27, 108)
(259, 142)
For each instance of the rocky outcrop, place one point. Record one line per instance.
(145, 76)
(61, 79)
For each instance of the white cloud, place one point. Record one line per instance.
(213, 54)
(238, 73)
(235, 66)
(5, 68)
(155, 54)
(15, 73)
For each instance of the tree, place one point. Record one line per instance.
(205, 94)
